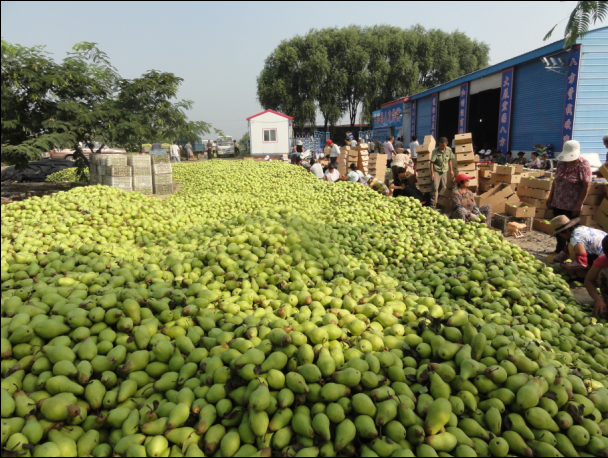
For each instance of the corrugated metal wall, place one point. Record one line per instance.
(423, 117)
(407, 125)
(483, 84)
(591, 115)
(449, 93)
(538, 106)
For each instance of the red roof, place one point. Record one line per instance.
(269, 111)
(394, 102)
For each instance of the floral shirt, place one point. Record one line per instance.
(590, 238)
(379, 187)
(464, 198)
(569, 182)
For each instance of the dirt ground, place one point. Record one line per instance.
(539, 244)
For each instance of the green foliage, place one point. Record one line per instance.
(338, 71)
(71, 175)
(583, 16)
(83, 101)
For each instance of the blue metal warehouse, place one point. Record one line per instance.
(546, 96)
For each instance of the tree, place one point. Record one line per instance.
(82, 102)
(356, 69)
(582, 17)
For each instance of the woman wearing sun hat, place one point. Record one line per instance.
(570, 186)
(464, 202)
(583, 245)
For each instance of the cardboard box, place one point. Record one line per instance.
(423, 181)
(423, 165)
(461, 139)
(604, 206)
(597, 189)
(426, 188)
(537, 203)
(536, 183)
(594, 199)
(520, 210)
(509, 169)
(602, 221)
(424, 157)
(465, 157)
(497, 197)
(491, 167)
(485, 173)
(604, 171)
(588, 220)
(428, 145)
(464, 148)
(539, 194)
(510, 179)
(468, 168)
(543, 213)
(485, 187)
(473, 183)
(589, 210)
(542, 226)
(423, 173)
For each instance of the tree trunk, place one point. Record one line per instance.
(79, 154)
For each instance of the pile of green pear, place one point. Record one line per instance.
(260, 311)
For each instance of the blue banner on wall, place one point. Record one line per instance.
(571, 86)
(504, 116)
(388, 117)
(434, 113)
(462, 108)
(413, 119)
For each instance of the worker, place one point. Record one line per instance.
(332, 174)
(400, 182)
(583, 245)
(441, 164)
(175, 152)
(377, 185)
(598, 276)
(465, 207)
(334, 152)
(355, 176)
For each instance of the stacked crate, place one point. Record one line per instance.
(601, 216)
(423, 164)
(535, 191)
(162, 174)
(465, 159)
(363, 158)
(142, 173)
(377, 166)
(343, 160)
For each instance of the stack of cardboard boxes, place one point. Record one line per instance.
(498, 197)
(363, 159)
(423, 164)
(377, 166)
(534, 192)
(465, 159)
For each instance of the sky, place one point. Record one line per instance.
(219, 48)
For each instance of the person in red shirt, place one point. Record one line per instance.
(598, 276)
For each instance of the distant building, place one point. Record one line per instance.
(546, 96)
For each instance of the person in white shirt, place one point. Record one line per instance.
(413, 147)
(332, 175)
(355, 175)
(389, 150)
(317, 169)
(334, 152)
(175, 152)
(353, 143)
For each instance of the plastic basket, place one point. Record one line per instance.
(142, 181)
(119, 170)
(163, 189)
(142, 171)
(500, 221)
(114, 159)
(139, 160)
(162, 168)
(118, 182)
(165, 178)
(147, 190)
(160, 158)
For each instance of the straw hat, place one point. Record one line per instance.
(570, 152)
(562, 222)
(299, 143)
